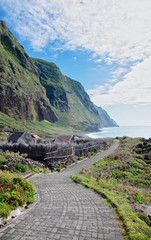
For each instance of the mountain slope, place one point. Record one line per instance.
(106, 120)
(67, 97)
(22, 95)
(34, 90)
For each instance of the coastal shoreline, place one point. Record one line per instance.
(85, 133)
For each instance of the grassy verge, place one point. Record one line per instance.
(14, 192)
(124, 179)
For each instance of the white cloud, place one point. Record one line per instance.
(112, 31)
(118, 72)
(98, 60)
(135, 89)
(115, 30)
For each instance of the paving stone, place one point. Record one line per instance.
(64, 210)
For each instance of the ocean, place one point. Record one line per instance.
(129, 131)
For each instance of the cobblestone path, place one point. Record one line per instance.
(65, 210)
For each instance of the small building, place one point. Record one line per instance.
(64, 138)
(25, 137)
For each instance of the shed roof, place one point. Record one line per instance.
(35, 136)
(20, 136)
(15, 136)
(63, 138)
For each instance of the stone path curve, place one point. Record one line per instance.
(65, 210)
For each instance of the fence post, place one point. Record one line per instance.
(73, 151)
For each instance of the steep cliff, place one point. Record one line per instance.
(106, 120)
(67, 97)
(34, 90)
(22, 95)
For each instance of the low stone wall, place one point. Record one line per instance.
(67, 156)
(58, 155)
(58, 162)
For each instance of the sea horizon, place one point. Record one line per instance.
(129, 131)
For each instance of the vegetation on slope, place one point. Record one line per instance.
(124, 178)
(67, 97)
(22, 95)
(42, 128)
(18, 163)
(14, 192)
(106, 120)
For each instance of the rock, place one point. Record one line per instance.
(5, 167)
(146, 209)
(148, 158)
(140, 145)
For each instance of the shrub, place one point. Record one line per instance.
(14, 192)
(44, 171)
(35, 169)
(4, 210)
(20, 168)
(3, 160)
(58, 169)
(138, 198)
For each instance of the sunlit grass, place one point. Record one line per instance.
(14, 192)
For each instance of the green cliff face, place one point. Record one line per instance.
(22, 95)
(34, 90)
(67, 97)
(106, 120)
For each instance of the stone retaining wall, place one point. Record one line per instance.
(58, 155)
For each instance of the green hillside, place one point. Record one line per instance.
(22, 95)
(106, 120)
(67, 97)
(34, 90)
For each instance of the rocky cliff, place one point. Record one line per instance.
(22, 95)
(33, 89)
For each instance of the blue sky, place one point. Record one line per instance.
(105, 45)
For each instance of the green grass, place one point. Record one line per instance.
(14, 192)
(42, 128)
(3, 160)
(124, 179)
(20, 168)
(58, 85)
